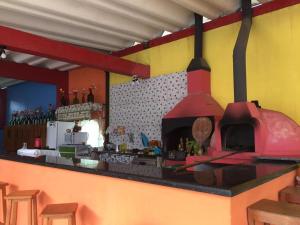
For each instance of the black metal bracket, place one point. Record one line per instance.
(198, 62)
(146, 45)
(2, 48)
(239, 53)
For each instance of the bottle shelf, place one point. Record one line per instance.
(85, 111)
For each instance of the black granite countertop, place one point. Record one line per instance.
(219, 179)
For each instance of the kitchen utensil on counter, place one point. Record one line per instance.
(55, 133)
(201, 130)
(37, 152)
(75, 151)
(145, 140)
(38, 142)
(76, 127)
(154, 143)
(131, 138)
(67, 151)
(157, 150)
(24, 145)
(159, 161)
(110, 147)
(76, 138)
(123, 147)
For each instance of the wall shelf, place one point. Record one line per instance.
(85, 111)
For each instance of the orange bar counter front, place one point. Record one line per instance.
(110, 198)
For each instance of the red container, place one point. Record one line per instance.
(38, 142)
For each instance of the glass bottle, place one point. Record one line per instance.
(83, 96)
(63, 99)
(90, 97)
(11, 120)
(16, 118)
(75, 100)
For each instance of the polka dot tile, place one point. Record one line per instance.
(141, 106)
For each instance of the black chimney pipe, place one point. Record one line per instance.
(198, 62)
(198, 49)
(239, 53)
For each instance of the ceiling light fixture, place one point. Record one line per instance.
(135, 79)
(3, 54)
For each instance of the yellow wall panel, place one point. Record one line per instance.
(164, 59)
(273, 60)
(116, 79)
(218, 47)
(171, 57)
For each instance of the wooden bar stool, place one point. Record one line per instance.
(290, 194)
(60, 211)
(12, 200)
(3, 193)
(273, 212)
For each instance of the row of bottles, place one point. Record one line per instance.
(36, 116)
(85, 97)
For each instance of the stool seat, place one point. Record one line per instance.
(12, 200)
(23, 194)
(273, 212)
(3, 184)
(63, 210)
(290, 194)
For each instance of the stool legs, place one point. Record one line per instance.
(47, 220)
(8, 212)
(30, 212)
(72, 220)
(66, 211)
(34, 211)
(253, 221)
(250, 219)
(12, 212)
(3, 202)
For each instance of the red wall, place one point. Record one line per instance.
(84, 78)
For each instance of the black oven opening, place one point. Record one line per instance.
(238, 137)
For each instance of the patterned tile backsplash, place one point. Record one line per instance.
(140, 107)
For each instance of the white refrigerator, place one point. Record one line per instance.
(56, 133)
